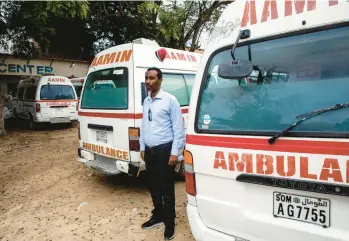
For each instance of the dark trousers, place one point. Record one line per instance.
(160, 181)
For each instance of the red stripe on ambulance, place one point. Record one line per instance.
(275, 164)
(293, 146)
(112, 115)
(118, 115)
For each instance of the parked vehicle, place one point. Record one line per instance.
(50, 99)
(111, 104)
(267, 141)
(78, 83)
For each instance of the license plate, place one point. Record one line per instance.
(102, 136)
(59, 110)
(302, 208)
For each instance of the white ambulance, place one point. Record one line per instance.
(78, 84)
(111, 103)
(267, 146)
(50, 99)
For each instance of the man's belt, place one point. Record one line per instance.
(159, 147)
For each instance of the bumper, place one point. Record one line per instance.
(109, 166)
(197, 227)
(201, 232)
(54, 120)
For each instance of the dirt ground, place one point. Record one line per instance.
(45, 194)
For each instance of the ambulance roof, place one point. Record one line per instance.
(44, 80)
(174, 59)
(266, 18)
(78, 80)
(146, 53)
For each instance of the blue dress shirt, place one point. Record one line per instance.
(166, 123)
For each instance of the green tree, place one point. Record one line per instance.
(170, 23)
(32, 26)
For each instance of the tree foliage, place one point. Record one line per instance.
(171, 23)
(31, 26)
(79, 29)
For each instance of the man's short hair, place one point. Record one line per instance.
(158, 71)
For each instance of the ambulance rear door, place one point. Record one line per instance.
(107, 104)
(57, 98)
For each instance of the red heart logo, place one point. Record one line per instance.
(161, 54)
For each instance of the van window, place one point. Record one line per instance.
(292, 76)
(56, 92)
(175, 85)
(143, 91)
(106, 89)
(30, 93)
(20, 93)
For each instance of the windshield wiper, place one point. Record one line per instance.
(56, 97)
(304, 117)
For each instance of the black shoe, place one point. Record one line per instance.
(153, 222)
(169, 233)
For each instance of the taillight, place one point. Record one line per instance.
(189, 174)
(133, 137)
(37, 108)
(77, 106)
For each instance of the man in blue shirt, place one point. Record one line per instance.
(161, 138)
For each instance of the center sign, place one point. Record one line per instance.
(22, 69)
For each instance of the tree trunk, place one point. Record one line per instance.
(2, 121)
(195, 38)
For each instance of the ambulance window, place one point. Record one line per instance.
(20, 93)
(175, 85)
(292, 75)
(106, 89)
(56, 92)
(189, 79)
(144, 92)
(30, 93)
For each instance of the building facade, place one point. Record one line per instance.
(13, 69)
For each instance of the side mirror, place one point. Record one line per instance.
(238, 69)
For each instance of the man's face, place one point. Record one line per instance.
(152, 82)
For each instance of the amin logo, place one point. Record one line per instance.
(271, 9)
(57, 80)
(115, 57)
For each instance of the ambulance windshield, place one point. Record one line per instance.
(106, 89)
(56, 92)
(291, 75)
